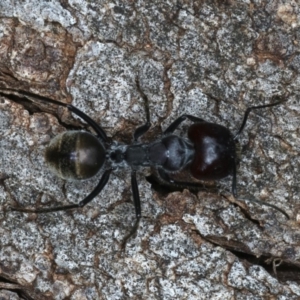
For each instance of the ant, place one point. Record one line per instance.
(208, 152)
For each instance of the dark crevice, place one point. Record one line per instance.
(32, 108)
(284, 271)
(3, 177)
(27, 104)
(21, 292)
(248, 216)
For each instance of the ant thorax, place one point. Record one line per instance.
(116, 155)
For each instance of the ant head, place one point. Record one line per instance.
(75, 155)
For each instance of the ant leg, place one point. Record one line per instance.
(137, 205)
(102, 183)
(179, 120)
(164, 177)
(233, 188)
(100, 132)
(136, 195)
(98, 129)
(144, 128)
(247, 112)
(267, 204)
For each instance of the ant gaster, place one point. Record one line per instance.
(208, 152)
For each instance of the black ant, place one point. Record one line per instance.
(209, 152)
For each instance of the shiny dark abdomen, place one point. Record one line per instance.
(214, 151)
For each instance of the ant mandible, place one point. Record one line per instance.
(209, 152)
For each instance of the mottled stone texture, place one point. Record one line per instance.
(211, 59)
